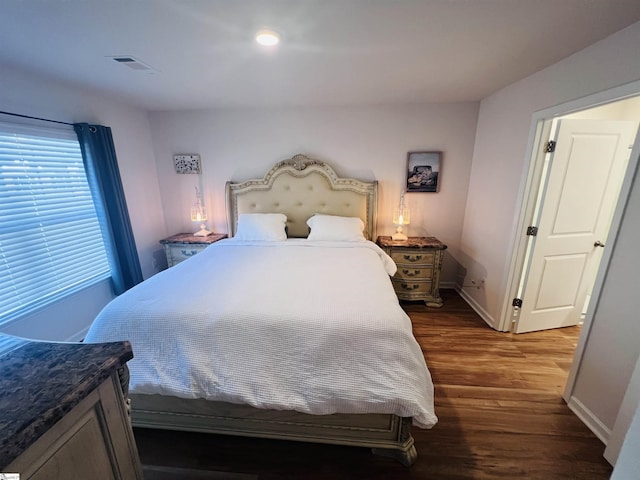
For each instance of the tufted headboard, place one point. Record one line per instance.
(300, 187)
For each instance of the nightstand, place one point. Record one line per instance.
(419, 260)
(179, 247)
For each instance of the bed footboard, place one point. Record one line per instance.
(387, 435)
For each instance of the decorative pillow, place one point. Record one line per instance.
(335, 228)
(267, 227)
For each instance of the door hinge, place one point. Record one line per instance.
(532, 231)
(517, 302)
(550, 146)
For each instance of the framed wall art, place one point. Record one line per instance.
(187, 163)
(424, 171)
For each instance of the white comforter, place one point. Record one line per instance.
(298, 325)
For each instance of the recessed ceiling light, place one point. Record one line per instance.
(267, 38)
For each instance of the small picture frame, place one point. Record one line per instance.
(424, 171)
(187, 163)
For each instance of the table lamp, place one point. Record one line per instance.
(199, 214)
(401, 216)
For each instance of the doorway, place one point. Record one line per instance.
(585, 164)
(542, 297)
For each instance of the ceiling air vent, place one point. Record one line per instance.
(132, 62)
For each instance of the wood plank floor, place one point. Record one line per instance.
(498, 400)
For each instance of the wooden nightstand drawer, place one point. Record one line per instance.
(414, 272)
(408, 256)
(179, 252)
(412, 288)
(182, 246)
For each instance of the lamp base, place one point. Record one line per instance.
(203, 232)
(399, 236)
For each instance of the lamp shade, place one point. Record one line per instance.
(401, 216)
(199, 214)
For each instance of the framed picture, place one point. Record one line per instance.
(187, 163)
(423, 171)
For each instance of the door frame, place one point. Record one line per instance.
(538, 135)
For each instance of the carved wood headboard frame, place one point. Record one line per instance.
(300, 187)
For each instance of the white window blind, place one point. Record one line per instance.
(51, 244)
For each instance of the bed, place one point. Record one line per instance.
(278, 332)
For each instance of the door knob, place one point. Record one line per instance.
(598, 244)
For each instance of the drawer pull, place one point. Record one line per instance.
(188, 253)
(413, 258)
(409, 287)
(408, 273)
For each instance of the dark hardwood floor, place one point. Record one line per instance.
(498, 399)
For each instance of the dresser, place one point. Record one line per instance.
(179, 247)
(419, 260)
(63, 413)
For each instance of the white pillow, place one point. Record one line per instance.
(335, 228)
(268, 227)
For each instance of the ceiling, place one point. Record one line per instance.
(334, 52)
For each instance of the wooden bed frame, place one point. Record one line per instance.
(297, 187)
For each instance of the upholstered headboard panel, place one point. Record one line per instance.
(300, 187)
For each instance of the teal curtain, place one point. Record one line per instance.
(101, 164)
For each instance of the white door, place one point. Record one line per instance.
(577, 199)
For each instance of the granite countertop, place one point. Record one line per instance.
(412, 242)
(40, 382)
(191, 238)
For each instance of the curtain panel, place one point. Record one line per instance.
(101, 164)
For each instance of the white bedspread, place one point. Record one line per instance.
(308, 326)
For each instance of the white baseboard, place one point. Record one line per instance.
(589, 419)
(476, 307)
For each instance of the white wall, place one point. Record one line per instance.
(628, 464)
(29, 94)
(613, 346)
(369, 143)
(626, 427)
(498, 168)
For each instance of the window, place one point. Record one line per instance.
(51, 243)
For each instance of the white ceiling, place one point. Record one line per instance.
(334, 52)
